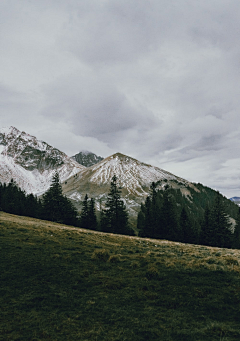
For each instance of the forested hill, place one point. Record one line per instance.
(192, 216)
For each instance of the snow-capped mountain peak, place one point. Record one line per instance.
(134, 178)
(31, 162)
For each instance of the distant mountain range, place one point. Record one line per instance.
(32, 163)
(236, 200)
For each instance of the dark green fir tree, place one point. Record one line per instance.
(186, 227)
(93, 224)
(219, 233)
(84, 213)
(88, 218)
(56, 207)
(114, 218)
(169, 225)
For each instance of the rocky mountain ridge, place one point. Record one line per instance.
(30, 162)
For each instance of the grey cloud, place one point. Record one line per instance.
(157, 80)
(94, 107)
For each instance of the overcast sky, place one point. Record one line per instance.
(158, 80)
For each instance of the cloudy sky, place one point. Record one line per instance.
(158, 80)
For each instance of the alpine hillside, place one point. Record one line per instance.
(31, 163)
(134, 178)
(86, 158)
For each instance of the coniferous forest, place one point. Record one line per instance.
(198, 218)
(54, 206)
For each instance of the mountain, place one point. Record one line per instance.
(134, 177)
(87, 159)
(236, 200)
(30, 162)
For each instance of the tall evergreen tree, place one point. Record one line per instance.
(187, 231)
(219, 233)
(169, 225)
(88, 218)
(52, 200)
(93, 225)
(84, 213)
(56, 207)
(206, 234)
(114, 218)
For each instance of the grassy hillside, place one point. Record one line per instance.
(64, 283)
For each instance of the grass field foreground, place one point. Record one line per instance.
(64, 283)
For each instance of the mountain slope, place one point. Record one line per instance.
(30, 162)
(134, 177)
(87, 159)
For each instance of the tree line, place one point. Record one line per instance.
(54, 206)
(201, 218)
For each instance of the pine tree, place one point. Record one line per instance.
(169, 226)
(114, 218)
(52, 200)
(56, 207)
(145, 219)
(92, 215)
(186, 227)
(206, 234)
(219, 234)
(88, 218)
(84, 214)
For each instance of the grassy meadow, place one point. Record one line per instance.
(64, 283)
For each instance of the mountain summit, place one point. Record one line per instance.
(134, 178)
(86, 158)
(30, 162)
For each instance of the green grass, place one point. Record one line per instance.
(64, 283)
